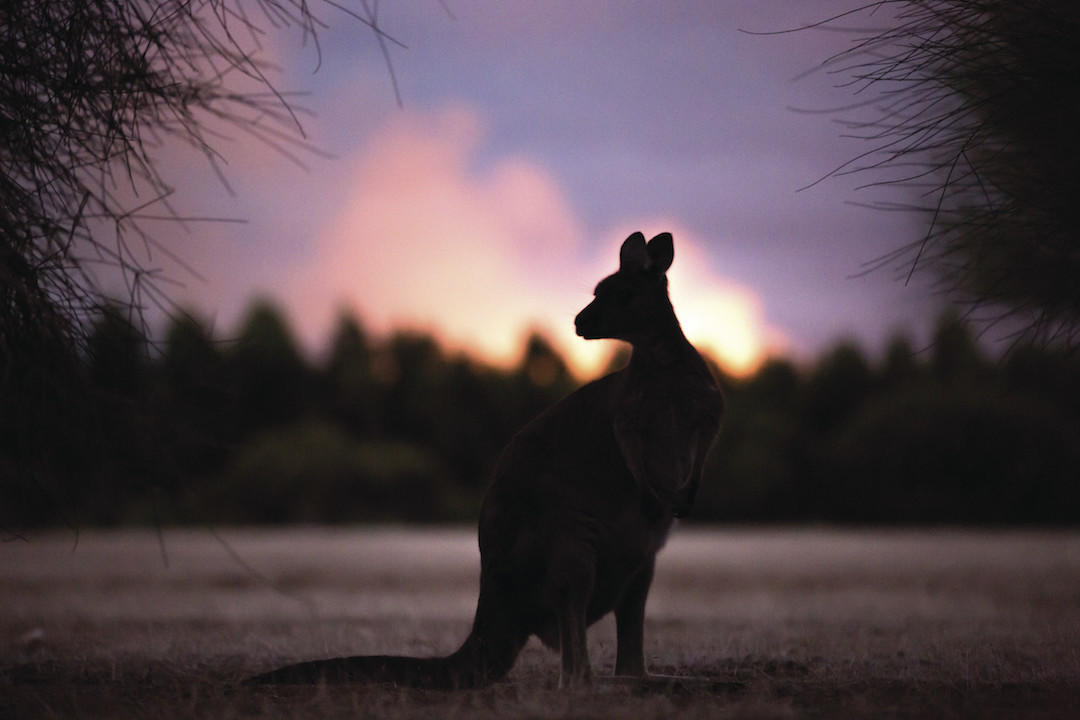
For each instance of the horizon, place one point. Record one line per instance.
(601, 353)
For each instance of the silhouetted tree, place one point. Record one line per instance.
(974, 125)
(117, 353)
(271, 379)
(837, 386)
(540, 379)
(191, 358)
(542, 365)
(1048, 374)
(411, 369)
(900, 365)
(775, 386)
(240, 431)
(46, 430)
(970, 454)
(90, 93)
(199, 402)
(122, 456)
(956, 356)
(315, 472)
(478, 415)
(760, 452)
(349, 383)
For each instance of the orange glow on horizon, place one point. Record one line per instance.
(586, 359)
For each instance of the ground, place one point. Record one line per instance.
(782, 623)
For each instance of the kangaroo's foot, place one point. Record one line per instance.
(658, 683)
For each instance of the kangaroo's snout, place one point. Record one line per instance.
(584, 324)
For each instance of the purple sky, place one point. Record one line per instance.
(534, 136)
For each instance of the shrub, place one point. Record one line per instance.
(314, 472)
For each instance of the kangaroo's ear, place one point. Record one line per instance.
(633, 255)
(661, 251)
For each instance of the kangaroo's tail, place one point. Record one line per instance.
(485, 656)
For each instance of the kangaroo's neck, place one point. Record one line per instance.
(664, 349)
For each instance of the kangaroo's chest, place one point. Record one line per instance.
(682, 404)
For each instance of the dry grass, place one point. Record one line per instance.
(797, 623)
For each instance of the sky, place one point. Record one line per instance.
(531, 139)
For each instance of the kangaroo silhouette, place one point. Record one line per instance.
(582, 499)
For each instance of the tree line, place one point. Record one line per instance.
(249, 430)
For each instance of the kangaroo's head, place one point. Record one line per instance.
(632, 304)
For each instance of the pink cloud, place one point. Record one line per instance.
(482, 256)
(426, 241)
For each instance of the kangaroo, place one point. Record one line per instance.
(582, 499)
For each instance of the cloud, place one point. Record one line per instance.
(425, 240)
(481, 255)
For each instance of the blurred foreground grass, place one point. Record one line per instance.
(784, 623)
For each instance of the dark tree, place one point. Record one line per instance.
(955, 354)
(117, 354)
(541, 379)
(900, 365)
(91, 93)
(271, 381)
(837, 386)
(349, 387)
(198, 402)
(192, 360)
(969, 110)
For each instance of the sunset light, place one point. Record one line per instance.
(482, 209)
(726, 325)
(481, 258)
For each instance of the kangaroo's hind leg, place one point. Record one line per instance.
(572, 600)
(630, 631)
(630, 624)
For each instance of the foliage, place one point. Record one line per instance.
(928, 455)
(941, 436)
(315, 472)
(396, 429)
(969, 109)
(92, 94)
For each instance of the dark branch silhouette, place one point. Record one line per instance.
(969, 108)
(91, 93)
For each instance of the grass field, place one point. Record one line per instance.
(779, 623)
